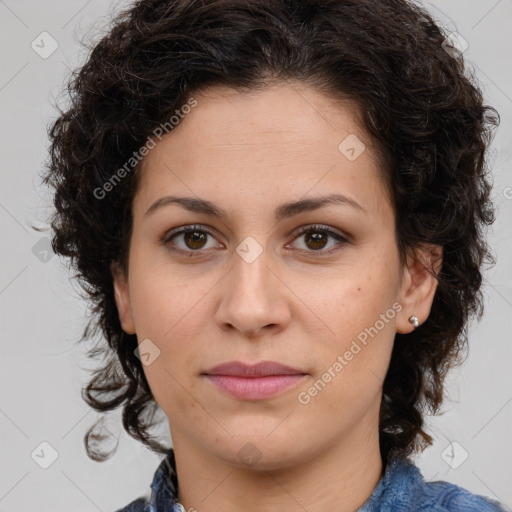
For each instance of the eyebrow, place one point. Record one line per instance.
(284, 210)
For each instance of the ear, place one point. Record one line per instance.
(122, 296)
(418, 285)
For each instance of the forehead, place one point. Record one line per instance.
(286, 137)
(285, 109)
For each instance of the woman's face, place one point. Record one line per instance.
(249, 285)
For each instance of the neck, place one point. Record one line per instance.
(340, 478)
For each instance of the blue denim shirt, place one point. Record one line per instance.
(401, 489)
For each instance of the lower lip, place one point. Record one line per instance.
(255, 388)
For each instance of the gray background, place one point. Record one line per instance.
(43, 368)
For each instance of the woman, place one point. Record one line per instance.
(277, 209)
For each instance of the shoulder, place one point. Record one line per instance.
(441, 496)
(447, 497)
(402, 488)
(138, 505)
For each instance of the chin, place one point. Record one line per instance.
(260, 453)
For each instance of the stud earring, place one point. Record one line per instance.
(414, 321)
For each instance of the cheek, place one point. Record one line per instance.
(172, 324)
(172, 320)
(355, 297)
(165, 301)
(359, 313)
(169, 313)
(353, 362)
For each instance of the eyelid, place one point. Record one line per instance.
(321, 227)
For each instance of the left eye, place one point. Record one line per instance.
(195, 238)
(316, 238)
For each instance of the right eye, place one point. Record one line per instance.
(193, 239)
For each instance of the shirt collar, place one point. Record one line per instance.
(164, 488)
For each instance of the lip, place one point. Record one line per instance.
(254, 382)
(260, 369)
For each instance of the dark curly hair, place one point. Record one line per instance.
(423, 110)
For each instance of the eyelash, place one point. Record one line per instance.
(318, 228)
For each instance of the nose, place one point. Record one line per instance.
(253, 299)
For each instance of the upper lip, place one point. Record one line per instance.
(260, 369)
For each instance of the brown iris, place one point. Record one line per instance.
(317, 238)
(195, 239)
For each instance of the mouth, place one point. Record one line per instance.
(254, 382)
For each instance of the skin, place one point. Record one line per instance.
(247, 154)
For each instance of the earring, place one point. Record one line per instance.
(414, 321)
